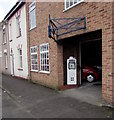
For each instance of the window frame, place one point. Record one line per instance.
(41, 52)
(4, 36)
(31, 9)
(10, 32)
(74, 4)
(6, 61)
(31, 58)
(18, 20)
(21, 59)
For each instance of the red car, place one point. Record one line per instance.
(90, 73)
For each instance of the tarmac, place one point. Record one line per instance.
(88, 92)
(0, 96)
(23, 99)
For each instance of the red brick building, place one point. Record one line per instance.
(98, 32)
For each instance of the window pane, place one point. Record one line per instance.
(21, 62)
(34, 56)
(20, 52)
(47, 55)
(34, 62)
(47, 62)
(20, 55)
(32, 67)
(36, 67)
(67, 3)
(71, 2)
(75, 1)
(47, 68)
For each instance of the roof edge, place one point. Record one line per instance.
(18, 5)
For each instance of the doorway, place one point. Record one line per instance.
(91, 58)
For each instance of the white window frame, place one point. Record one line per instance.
(43, 52)
(35, 53)
(6, 61)
(4, 36)
(20, 59)
(70, 6)
(32, 7)
(18, 20)
(10, 31)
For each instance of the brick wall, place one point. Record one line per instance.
(98, 16)
(113, 52)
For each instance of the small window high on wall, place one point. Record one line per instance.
(32, 15)
(71, 3)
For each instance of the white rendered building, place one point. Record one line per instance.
(18, 40)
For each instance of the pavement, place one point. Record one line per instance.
(88, 92)
(0, 96)
(23, 99)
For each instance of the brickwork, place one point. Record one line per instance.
(113, 52)
(98, 16)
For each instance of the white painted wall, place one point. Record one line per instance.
(22, 40)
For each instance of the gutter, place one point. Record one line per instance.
(12, 11)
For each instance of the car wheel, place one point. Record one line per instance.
(90, 78)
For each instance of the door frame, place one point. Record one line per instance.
(80, 54)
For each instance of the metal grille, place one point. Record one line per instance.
(61, 26)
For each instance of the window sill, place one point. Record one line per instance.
(73, 6)
(18, 36)
(21, 69)
(32, 28)
(34, 70)
(45, 72)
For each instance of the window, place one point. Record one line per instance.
(20, 58)
(4, 36)
(6, 61)
(10, 31)
(32, 15)
(71, 3)
(18, 26)
(44, 57)
(34, 59)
